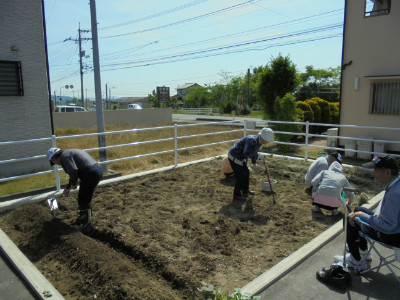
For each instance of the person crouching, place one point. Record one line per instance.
(329, 185)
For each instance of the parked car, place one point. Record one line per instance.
(134, 106)
(92, 108)
(69, 108)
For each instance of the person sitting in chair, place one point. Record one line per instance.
(385, 219)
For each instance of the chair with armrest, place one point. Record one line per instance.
(388, 260)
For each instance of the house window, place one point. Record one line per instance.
(10, 78)
(385, 98)
(377, 7)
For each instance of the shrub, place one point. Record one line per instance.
(334, 112)
(316, 112)
(307, 112)
(243, 109)
(285, 110)
(325, 110)
(228, 107)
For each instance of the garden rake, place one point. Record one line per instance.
(269, 181)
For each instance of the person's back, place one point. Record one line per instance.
(329, 185)
(319, 165)
(332, 181)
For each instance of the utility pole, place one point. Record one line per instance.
(106, 97)
(248, 86)
(81, 54)
(97, 85)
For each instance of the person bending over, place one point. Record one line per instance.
(79, 165)
(247, 148)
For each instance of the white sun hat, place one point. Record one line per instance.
(267, 134)
(51, 152)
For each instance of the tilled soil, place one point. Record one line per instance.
(160, 235)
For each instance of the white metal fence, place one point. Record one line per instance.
(200, 111)
(176, 138)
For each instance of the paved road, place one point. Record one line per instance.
(206, 118)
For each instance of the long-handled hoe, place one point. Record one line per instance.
(269, 181)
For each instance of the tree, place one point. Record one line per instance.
(197, 96)
(277, 79)
(321, 83)
(152, 98)
(285, 110)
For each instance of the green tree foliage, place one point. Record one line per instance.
(334, 110)
(285, 110)
(197, 96)
(325, 110)
(153, 99)
(307, 112)
(316, 110)
(321, 83)
(277, 79)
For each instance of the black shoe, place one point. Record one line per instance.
(83, 223)
(336, 275)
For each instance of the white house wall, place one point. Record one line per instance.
(373, 46)
(27, 116)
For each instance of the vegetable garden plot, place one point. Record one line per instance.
(160, 235)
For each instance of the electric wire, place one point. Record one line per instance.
(162, 13)
(246, 32)
(240, 44)
(223, 10)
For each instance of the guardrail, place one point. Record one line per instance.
(200, 111)
(176, 138)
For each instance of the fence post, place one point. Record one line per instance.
(245, 127)
(306, 142)
(58, 184)
(176, 144)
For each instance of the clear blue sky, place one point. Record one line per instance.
(145, 44)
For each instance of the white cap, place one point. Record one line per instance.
(267, 134)
(51, 152)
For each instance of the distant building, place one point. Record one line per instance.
(183, 90)
(24, 97)
(370, 90)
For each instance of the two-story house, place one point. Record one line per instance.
(370, 93)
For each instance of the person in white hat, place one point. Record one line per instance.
(247, 148)
(79, 165)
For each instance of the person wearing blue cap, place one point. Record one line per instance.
(79, 165)
(385, 220)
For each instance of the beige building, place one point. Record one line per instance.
(24, 97)
(183, 90)
(371, 70)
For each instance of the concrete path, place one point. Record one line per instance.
(295, 276)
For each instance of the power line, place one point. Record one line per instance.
(165, 12)
(223, 10)
(241, 44)
(174, 59)
(229, 35)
